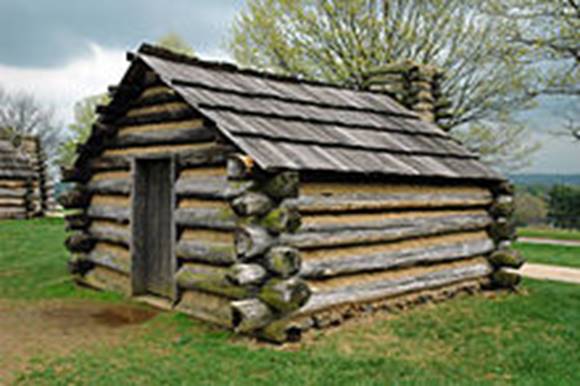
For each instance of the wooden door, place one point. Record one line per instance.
(153, 228)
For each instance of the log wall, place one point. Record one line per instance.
(23, 185)
(363, 244)
(154, 123)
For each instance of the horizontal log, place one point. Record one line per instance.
(110, 260)
(381, 189)
(240, 167)
(202, 187)
(511, 258)
(280, 220)
(13, 202)
(78, 264)
(285, 295)
(18, 174)
(206, 252)
(364, 221)
(207, 307)
(379, 289)
(108, 212)
(156, 117)
(252, 242)
(211, 279)
(505, 279)
(246, 274)
(158, 108)
(367, 202)
(206, 218)
(389, 232)
(155, 150)
(503, 206)
(502, 229)
(102, 163)
(107, 279)
(252, 204)
(283, 261)
(75, 198)
(13, 213)
(281, 185)
(504, 187)
(163, 137)
(250, 315)
(16, 164)
(110, 186)
(13, 184)
(79, 242)
(113, 233)
(213, 154)
(395, 259)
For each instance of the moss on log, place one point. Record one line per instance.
(79, 242)
(250, 315)
(206, 252)
(283, 219)
(505, 279)
(252, 204)
(285, 295)
(246, 274)
(283, 261)
(507, 258)
(252, 241)
(212, 280)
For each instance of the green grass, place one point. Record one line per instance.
(33, 262)
(549, 233)
(551, 254)
(528, 339)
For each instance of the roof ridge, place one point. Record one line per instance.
(167, 54)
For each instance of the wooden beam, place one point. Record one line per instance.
(371, 290)
(396, 259)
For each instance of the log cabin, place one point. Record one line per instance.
(272, 205)
(23, 187)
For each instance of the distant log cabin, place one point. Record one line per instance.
(23, 187)
(271, 205)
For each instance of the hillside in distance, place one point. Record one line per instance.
(545, 179)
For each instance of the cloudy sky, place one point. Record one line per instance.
(64, 50)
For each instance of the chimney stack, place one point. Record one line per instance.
(415, 86)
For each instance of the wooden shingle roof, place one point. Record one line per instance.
(288, 123)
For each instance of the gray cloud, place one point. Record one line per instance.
(41, 33)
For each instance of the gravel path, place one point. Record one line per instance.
(550, 272)
(537, 240)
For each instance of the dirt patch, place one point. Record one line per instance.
(56, 328)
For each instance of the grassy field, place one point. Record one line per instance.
(532, 338)
(549, 233)
(551, 254)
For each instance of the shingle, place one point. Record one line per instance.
(291, 124)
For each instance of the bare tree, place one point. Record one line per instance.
(22, 115)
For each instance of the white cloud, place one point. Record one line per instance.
(61, 87)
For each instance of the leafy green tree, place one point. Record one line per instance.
(79, 131)
(545, 32)
(502, 144)
(564, 206)
(176, 43)
(342, 41)
(547, 35)
(529, 209)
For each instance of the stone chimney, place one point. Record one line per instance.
(415, 86)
